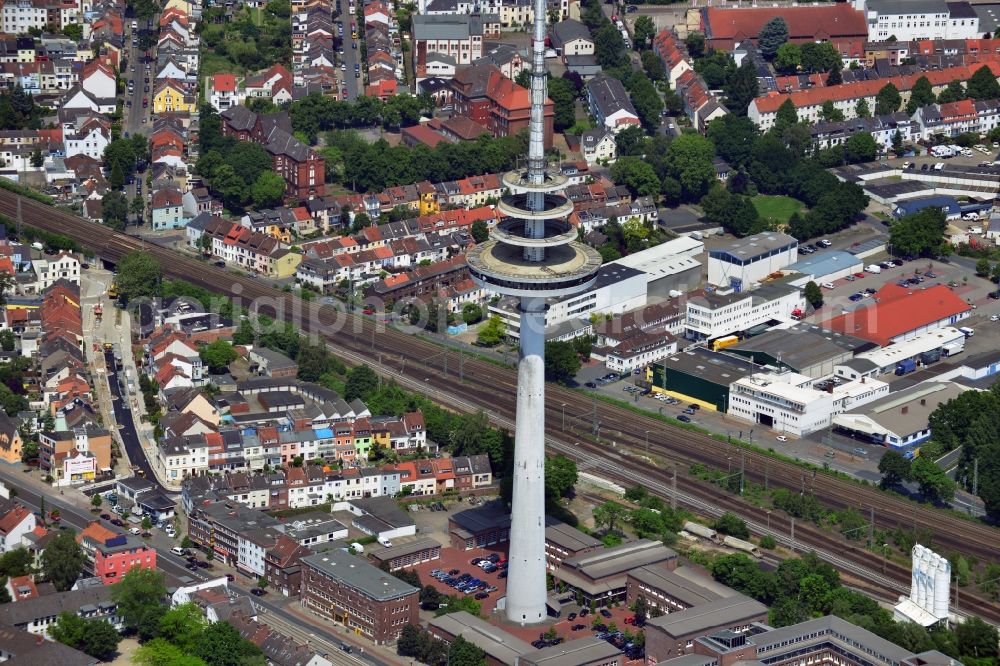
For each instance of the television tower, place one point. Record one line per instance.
(533, 255)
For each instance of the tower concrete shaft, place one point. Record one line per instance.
(526, 588)
(533, 255)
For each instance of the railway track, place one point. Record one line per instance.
(422, 365)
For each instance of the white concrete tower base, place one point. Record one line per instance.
(526, 590)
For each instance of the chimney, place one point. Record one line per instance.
(905, 409)
(863, 378)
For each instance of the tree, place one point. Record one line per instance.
(646, 100)
(138, 276)
(630, 142)
(62, 560)
(96, 501)
(138, 208)
(835, 78)
(820, 57)
(935, 484)
(653, 66)
(137, 593)
(491, 333)
(894, 468)
(813, 294)
(954, 92)
(610, 515)
(983, 267)
(97, 638)
(609, 47)
(220, 644)
(772, 36)
(471, 313)
(887, 100)
(361, 383)
(480, 232)
(147, 523)
(976, 638)
(430, 598)
(690, 160)
(734, 212)
(463, 653)
(114, 209)
(16, 562)
(643, 31)
(637, 175)
(920, 234)
(695, 43)
(921, 94)
(218, 355)
(983, 84)
(861, 110)
(640, 610)
(561, 361)
(733, 525)
(788, 58)
(160, 652)
(267, 190)
(120, 155)
(563, 96)
(37, 160)
(742, 88)
(831, 113)
(786, 114)
(560, 476)
(861, 147)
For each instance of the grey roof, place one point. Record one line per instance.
(754, 246)
(681, 588)
(567, 536)
(907, 411)
(845, 635)
(568, 31)
(26, 649)
(723, 612)
(609, 95)
(802, 345)
(908, 6)
(494, 641)
(860, 365)
(359, 575)
(385, 509)
(715, 367)
(481, 518)
(444, 26)
(400, 549)
(620, 559)
(581, 651)
(690, 660)
(51, 605)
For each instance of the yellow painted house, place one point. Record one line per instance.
(284, 263)
(282, 233)
(170, 97)
(183, 5)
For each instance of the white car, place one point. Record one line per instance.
(828, 285)
(782, 438)
(994, 317)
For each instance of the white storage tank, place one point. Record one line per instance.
(942, 589)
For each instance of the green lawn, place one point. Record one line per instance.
(777, 208)
(212, 63)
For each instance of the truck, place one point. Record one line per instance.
(932, 356)
(905, 367)
(953, 348)
(727, 341)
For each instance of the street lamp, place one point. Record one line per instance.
(885, 551)
(564, 416)
(768, 512)
(647, 442)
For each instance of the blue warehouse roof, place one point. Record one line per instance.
(948, 204)
(825, 263)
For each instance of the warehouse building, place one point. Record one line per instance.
(900, 313)
(674, 635)
(744, 262)
(501, 648)
(601, 576)
(826, 266)
(589, 651)
(803, 348)
(669, 267)
(923, 349)
(671, 591)
(787, 402)
(900, 419)
(701, 376)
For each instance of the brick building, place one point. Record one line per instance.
(346, 590)
(484, 95)
(302, 167)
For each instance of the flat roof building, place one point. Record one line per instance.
(347, 590)
(827, 266)
(743, 262)
(668, 590)
(601, 576)
(564, 541)
(700, 375)
(673, 635)
(589, 651)
(403, 555)
(944, 341)
(804, 348)
(501, 647)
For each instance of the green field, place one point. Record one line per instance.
(776, 208)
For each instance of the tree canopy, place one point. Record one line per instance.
(772, 36)
(62, 560)
(920, 234)
(138, 275)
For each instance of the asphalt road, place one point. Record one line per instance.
(137, 119)
(125, 422)
(351, 57)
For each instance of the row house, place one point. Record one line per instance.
(954, 118)
(460, 36)
(845, 97)
(672, 55)
(484, 95)
(700, 104)
(882, 128)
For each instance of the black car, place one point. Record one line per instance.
(591, 385)
(203, 565)
(258, 592)
(230, 577)
(606, 613)
(995, 295)
(683, 418)
(117, 522)
(578, 627)
(584, 612)
(502, 574)
(538, 645)
(694, 405)
(191, 566)
(494, 558)
(453, 572)
(925, 166)
(571, 617)
(192, 558)
(483, 595)
(106, 516)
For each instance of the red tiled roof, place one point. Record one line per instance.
(899, 311)
(808, 23)
(858, 89)
(224, 83)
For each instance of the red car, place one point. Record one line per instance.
(859, 275)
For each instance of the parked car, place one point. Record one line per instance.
(258, 592)
(684, 418)
(606, 613)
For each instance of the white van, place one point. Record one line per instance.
(874, 269)
(178, 551)
(966, 331)
(357, 547)
(385, 542)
